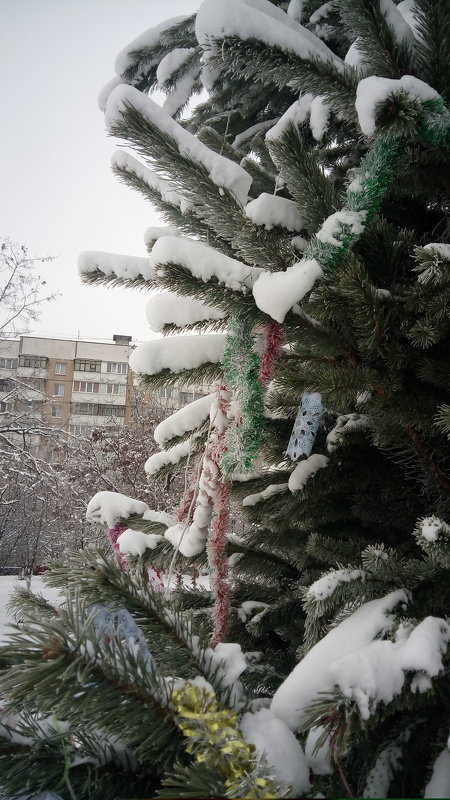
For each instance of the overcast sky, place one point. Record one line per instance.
(58, 194)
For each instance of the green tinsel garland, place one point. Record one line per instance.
(241, 368)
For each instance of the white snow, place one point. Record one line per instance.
(374, 90)
(275, 293)
(135, 543)
(397, 22)
(327, 584)
(224, 173)
(203, 262)
(276, 744)
(270, 491)
(440, 248)
(147, 39)
(180, 94)
(353, 56)
(305, 470)
(7, 585)
(431, 527)
(164, 188)
(172, 62)
(295, 9)
(248, 607)
(158, 516)
(170, 308)
(110, 507)
(252, 131)
(270, 210)
(296, 114)
(318, 755)
(319, 117)
(106, 90)
(345, 423)
(152, 234)
(114, 264)
(177, 353)
(439, 783)
(172, 456)
(312, 675)
(185, 419)
(407, 9)
(188, 539)
(258, 19)
(333, 226)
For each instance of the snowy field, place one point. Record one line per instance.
(7, 584)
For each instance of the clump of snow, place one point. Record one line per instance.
(345, 423)
(114, 264)
(327, 584)
(296, 114)
(135, 543)
(152, 234)
(171, 309)
(374, 90)
(312, 675)
(106, 90)
(333, 226)
(224, 173)
(189, 540)
(172, 62)
(319, 117)
(172, 456)
(432, 527)
(203, 262)
(407, 9)
(439, 783)
(111, 507)
(305, 470)
(440, 248)
(252, 131)
(248, 607)
(275, 293)
(177, 353)
(180, 94)
(148, 39)
(159, 516)
(397, 22)
(127, 163)
(354, 57)
(258, 19)
(276, 744)
(269, 491)
(318, 755)
(295, 9)
(185, 419)
(270, 210)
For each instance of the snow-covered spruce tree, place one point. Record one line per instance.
(308, 246)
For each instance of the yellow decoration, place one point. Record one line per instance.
(215, 739)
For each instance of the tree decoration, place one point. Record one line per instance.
(306, 426)
(113, 535)
(241, 367)
(273, 335)
(216, 741)
(218, 563)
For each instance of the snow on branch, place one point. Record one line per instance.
(270, 211)
(373, 90)
(204, 262)
(113, 264)
(261, 20)
(171, 309)
(124, 162)
(177, 353)
(111, 507)
(224, 173)
(148, 40)
(185, 419)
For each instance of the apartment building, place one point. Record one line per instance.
(76, 385)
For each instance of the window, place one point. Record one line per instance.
(114, 388)
(81, 430)
(58, 390)
(8, 363)
(60, 368)
(6, 408)
(84, 408)
(57, 411)
(5, 385)
(186, 397)
(36, 362)
(111, 411)
(87, 365)
(85, 386)
(118, 367)
(33, 382)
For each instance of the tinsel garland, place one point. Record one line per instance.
(216, 741)
(241, 367)
(273, 335)
(370, 183)
(113, 535)
(218, 563)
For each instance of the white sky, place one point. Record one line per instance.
(58, 195)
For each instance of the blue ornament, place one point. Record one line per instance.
(306, 426)
(109, 623)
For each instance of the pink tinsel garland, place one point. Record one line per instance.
(219, 564)
(274, 337)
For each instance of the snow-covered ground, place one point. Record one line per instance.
(7, 584)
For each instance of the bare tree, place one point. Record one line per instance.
(22, 290)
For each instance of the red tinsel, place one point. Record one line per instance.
(274, 337)
(219, 564)
(113, 535)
